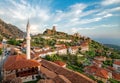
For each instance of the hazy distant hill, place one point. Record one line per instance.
(113, 46)
(9, 30)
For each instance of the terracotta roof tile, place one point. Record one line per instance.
(47, 73)
(45, 81)
(17, 61)
(102, 73)
(70, 75)
(60, 63)
(74, 47)
(97, 71)
(61, 79)
(117, 62)
(116, 76)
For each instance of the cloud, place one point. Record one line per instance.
(74, 30)
(110, 2)
(70, 19)
(107, 11)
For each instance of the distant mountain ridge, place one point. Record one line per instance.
(10, 31)
(113, 46)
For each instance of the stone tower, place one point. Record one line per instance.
(28, 40)
(54, 28)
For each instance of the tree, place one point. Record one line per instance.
(113, 81)
(14, 42)
(0, 51)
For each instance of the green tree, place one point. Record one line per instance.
(0, 51)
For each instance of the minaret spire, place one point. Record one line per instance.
(28, 40)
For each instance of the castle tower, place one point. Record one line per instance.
(28, 40)
(54, 28)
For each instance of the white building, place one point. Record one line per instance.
(62, 50)
(64, 40)
(116, 65)
(73, 50)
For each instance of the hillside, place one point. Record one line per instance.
(113, 46)
(9, 30)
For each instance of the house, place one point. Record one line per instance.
(46, 37)
(60, 63)
(46, 48)
(59, 45)
(1, 45)
(73, 50)
(37, 49)
(97, 63)
(116, 65)
(100, 58)
(84, 47)
(18, 66)
(64, 40)
(21, 39)
(99, 73)
(51, 52)
(62, 50)
(42, 54)
(116, 76)
(24, 45)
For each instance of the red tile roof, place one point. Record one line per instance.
(97, 71)
(61, 79)
(116, 76)
(102, 73)
(97, 61)
(49, 74)
(72, 76)
(45, 81)
(74, 47)
(61, 48)
(1, 45)
(60, 63)
(19, 62)
(117, 62)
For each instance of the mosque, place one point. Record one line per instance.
(21, 67)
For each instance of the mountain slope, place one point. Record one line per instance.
(10, 31)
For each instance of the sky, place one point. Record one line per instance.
(97, 19)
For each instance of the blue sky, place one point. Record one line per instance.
(97, 19)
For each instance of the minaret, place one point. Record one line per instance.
(28, 40)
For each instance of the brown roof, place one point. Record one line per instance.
(70, 75)
(97, 71)
(117, 62)
(116, 76)
(97, 61)
(61, 48)
(102, 73)
(74, 47)
(1, 45)
(19, 62)
(47, 73)
(60, 63)
(45, 81)
(61, 79)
